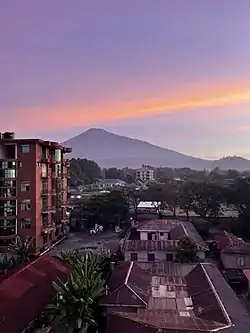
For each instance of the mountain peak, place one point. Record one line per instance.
(95, 130)
(113, 150)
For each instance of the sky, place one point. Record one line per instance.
(175, 73)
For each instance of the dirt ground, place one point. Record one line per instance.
(78, 240)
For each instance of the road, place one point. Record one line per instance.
(80, 240)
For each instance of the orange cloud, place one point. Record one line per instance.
(58, 118)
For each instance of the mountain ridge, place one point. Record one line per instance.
(114, 150)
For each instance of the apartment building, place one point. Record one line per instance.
(144, 174)
(33, 190)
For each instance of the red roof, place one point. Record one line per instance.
(204, 312)
(25, 294)
(229, 243)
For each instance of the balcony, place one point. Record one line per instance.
(44, 159)
(45, 209)
(8, 231)
(52, 160)
(45, 192)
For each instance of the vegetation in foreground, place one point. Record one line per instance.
(75, 307)
(20, 251)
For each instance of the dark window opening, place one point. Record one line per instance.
(151, 257)
(134, 257)
(6, 242)
(169, 257)
(10, 151)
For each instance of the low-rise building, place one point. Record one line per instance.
(234, 251)
(159, 239)
(171, 298)
(103, 184)
(144, 174)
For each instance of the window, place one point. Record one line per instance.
(25, 148)
(5, 242)
(25, 186)
(151, 257)
(26, 223)
(169, 257)
(241, 261)
(44, 170)
(156, 291)
(26, 204)
(7, 223)
(134, 257)
(9, 173)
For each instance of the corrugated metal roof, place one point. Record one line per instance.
(203, 286)
(229, 243)
(24, 294)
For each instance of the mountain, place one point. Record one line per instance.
(112, 150)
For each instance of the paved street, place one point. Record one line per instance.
(80, 240)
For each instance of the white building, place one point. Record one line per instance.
(110, 183)
(159, 240)
(145, 174)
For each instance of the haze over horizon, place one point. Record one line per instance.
(175, 73)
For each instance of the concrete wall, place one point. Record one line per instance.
(143, 255)
(157, 235)
(159, 255)
(230, 260)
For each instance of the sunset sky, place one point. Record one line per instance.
(172, 72)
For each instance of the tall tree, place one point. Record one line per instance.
(83, 171)
(186, 251)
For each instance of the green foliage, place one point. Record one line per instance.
(6, 263)
(186, 251)
(76, 302)
(107, 210)
(83, 171)
(21, 248)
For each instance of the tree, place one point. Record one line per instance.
(83, 171)
(113, 173)
(186, 251)
(207, 199)
(165, 196)
(187, 197)
(22, 248)
(108, 210)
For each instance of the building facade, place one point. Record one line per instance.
(159, 240)
(33, 191)
(234, 251)
(144, 174)
(105, 184)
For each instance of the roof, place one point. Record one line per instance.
(229, 243)
(158, 225)
(25, 294)
(148, 204)
(197, 300)
(247, 274)
(177, 230)
(111, 181)
(150, 245)
(128, 286)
